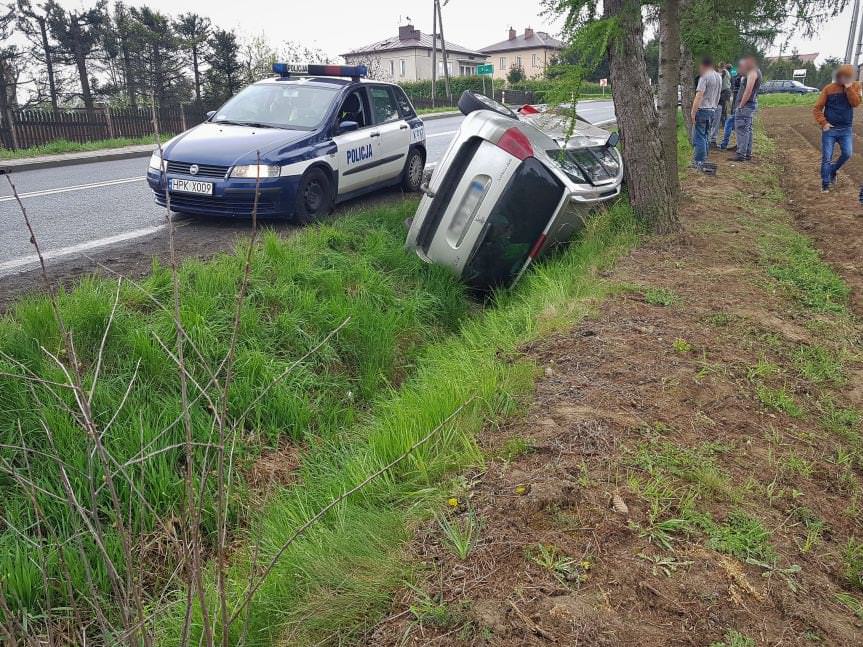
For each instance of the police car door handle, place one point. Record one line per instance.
(375, 135)
(404, 127)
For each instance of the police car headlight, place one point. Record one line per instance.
(254, 171)
(156, 161)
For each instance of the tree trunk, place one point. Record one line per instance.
(637, 119)
(49, 63)
(687, 86)
(669, 81)
(129, 74)
(197, 72)
(86, 94)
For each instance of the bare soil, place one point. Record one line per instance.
(834, 219)
(679, 475)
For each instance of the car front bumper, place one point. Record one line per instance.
(231, 198)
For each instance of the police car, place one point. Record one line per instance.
(314, 136)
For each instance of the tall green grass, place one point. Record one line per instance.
(301, 289)
(331, 583)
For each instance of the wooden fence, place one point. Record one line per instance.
(23, 128)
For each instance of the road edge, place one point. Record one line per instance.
(12, 166)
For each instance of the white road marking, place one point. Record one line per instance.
(78, 187)
(10, 266)
(449, 132)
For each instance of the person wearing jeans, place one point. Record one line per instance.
(729, 128)
(834, 112)
(701, 130)
(704, 111)
(747, 107)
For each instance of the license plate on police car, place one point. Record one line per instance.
(191, 186)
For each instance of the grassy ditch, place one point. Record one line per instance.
(65, 146)
(301, 289)
(327, 586)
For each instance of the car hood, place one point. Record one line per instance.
(226, 144)
(557, 126)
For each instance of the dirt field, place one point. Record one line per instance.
(800, 154)
(691, 469)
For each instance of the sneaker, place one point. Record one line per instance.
(732, 148)
(833, 179)
(825, 188)
(738, 158)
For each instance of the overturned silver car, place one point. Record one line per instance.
(510, 188)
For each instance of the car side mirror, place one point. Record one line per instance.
(613, 140)
(211, 114)
(348, 127)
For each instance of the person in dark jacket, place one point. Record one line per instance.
(834, 112)
(729, 123)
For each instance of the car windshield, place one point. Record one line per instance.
(278, 105)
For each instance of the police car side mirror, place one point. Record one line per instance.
(348, 127)
(613, 140)
(210, 114)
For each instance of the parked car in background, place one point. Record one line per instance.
(786, 87)
(510, 188)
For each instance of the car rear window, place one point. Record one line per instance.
(516, 222)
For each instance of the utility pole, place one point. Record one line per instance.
(434, 53)
(443, 51)
(852, 35)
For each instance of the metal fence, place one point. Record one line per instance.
(24, 128)
(509, 97)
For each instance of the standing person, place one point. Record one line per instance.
(704, 108)
(834, 112)
(729, 123)
(747, 107)
(724, 101)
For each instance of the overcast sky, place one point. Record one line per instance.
(337, 26)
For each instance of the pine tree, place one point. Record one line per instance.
(33, 23)
(194, 31)
(161, 61)
(78, 34)
(224, 78)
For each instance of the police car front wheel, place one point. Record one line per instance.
(314, 197)
(414, 168)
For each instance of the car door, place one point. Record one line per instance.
(393, 132)
(357, 151)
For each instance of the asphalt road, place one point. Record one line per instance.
(77, 211)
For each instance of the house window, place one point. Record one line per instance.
(403, 67)
(448, 67)
(392, 69)
(536, 60)
(518, 61)
(503, 62)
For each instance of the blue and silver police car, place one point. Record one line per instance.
(313, 136)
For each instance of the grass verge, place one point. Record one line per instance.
(301, 289)
(328, 586)
(65, 146)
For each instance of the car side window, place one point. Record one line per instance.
(354, 108)
(405, 108)
(384, 105)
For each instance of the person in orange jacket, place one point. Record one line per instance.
(834, 112)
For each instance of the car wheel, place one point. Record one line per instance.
(314, 197)
(412, 177)
(473, 101)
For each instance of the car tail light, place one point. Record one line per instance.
(528, 109)
(516, 144)
(537, 247)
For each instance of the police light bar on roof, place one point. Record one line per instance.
(301, 69)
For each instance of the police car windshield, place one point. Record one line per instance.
(278, 105)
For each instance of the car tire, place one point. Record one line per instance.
(314, 197)
(412, 176)
(473, 101)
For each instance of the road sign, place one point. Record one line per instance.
(485, 69)
(603, 82)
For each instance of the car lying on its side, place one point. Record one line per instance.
(303, 141)
(510, 188)
(785, 87)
